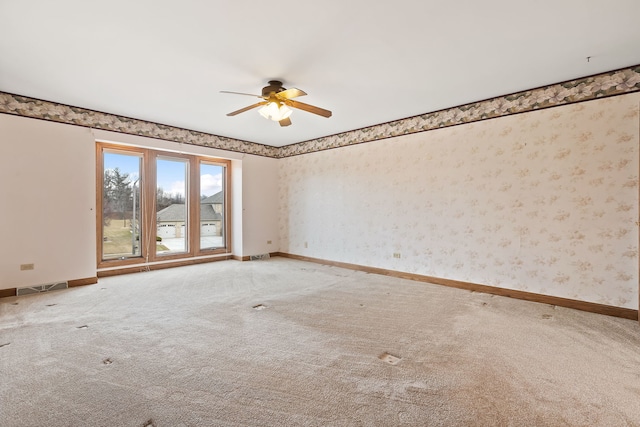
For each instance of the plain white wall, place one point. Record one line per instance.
(47, 193)
(236, 207)
(48, 198)
(260, 205)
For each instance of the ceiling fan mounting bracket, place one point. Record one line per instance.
(274, 86)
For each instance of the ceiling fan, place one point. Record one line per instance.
(275, 103)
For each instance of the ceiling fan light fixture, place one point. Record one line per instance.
(276, 101)
(275, 111)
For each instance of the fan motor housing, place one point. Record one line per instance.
(274, 86)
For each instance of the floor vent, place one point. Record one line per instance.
(42, 288)
(259, 257)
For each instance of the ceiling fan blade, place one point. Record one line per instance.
(309, 108)
(250, 107)
(291, 93)
(285, 122)
(240, 93)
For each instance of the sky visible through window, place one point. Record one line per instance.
(172, 179)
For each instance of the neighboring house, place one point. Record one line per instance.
(215, 201)
(171, 220)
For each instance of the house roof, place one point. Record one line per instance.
(208, 214)
(175, 213)
(216, 198)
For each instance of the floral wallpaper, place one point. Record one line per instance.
(588, 88)
(544, 202)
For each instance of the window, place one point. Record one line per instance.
(172, 204)
(155, 205)
(212, 229)
(120, 206)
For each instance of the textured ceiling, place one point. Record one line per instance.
(368, 62)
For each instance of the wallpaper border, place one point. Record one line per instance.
(612, 83)
(51, 111)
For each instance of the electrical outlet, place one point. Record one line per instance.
(24, 267)
(396, 255)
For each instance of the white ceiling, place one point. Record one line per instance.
(369, 62)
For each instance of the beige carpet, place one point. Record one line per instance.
(288, 343)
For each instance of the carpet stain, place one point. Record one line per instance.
(149, 423)
(51, 305)
(259, 307)
(5, 344)
(82, 327)
(547, 316)
(390, 358)
(107, 361)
